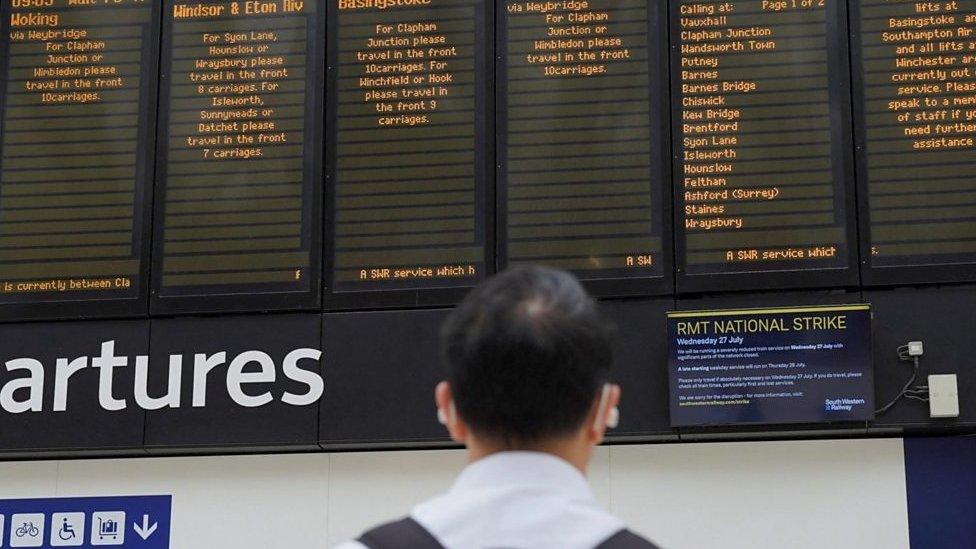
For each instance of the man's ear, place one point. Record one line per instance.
(605, 412)
(447, 413)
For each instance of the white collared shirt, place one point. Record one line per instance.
(524, 500)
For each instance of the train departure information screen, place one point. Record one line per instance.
(238, 209)
(919, 101)
(760, 182)
(410, 95)
(75, 173)
(582, 168)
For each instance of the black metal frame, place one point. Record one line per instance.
(843, 168)
(247, 297)
(872, 275)
(417, 294)
(94, 304)
(611, 283)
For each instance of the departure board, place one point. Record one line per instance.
(239, 185)
(76, 166)
(917, 124)
(583, 120)
(763, 156)
(410, 120)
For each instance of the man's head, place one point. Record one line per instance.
(528, 360)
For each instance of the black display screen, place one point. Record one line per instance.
(763, 157)
(239, 181)
(582, 132)
(916, 95)
(771, 366)
(78, 119)
(409, 111)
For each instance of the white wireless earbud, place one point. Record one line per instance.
(612, 418)
(444, 418)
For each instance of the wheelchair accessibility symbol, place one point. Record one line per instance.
(67, 531)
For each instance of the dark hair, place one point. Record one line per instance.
(527, 354)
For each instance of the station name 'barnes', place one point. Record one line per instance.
(760, 325)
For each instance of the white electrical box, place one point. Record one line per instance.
(915, 348)
(943, 396)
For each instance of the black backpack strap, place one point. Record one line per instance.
(402, 534)
(625, 539)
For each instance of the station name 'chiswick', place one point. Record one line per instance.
(22, 393)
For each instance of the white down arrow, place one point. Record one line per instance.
(145, 530)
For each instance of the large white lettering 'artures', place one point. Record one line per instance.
(22, 380)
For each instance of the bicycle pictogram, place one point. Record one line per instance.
(27, 530)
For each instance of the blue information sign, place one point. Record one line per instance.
(134, 522)
(767, 366)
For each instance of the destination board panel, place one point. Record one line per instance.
(410, 119)
(584, 177)
(238, 213)
(917, 120)
(764, 192)
(78, 96)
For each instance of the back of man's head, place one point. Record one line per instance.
(527, 355)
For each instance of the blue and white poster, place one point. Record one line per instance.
(134, 522)
(771, 366)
